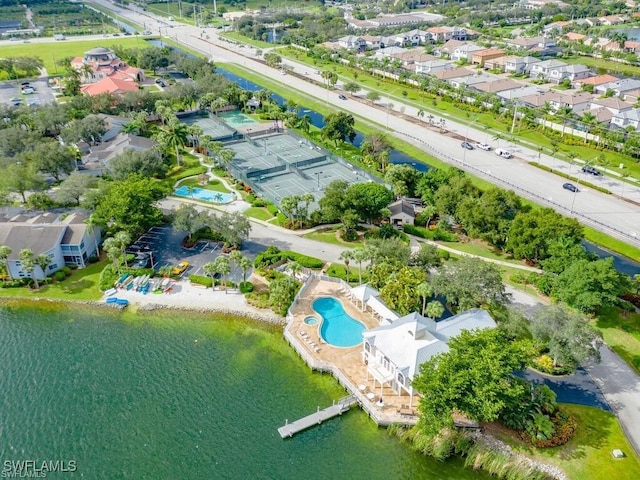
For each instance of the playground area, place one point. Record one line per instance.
(278, 166)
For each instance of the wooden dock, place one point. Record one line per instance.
(338, 408)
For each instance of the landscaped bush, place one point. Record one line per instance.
(59, 276)
(93, 259)
(269, 257)
(348, 235)
(273, 210)
(564, 428)
(250, 199)
(258, 299)
(304, 260)
(11, 284)
(443, 254)
(246, 287)
(339, 271)
(259, 202)
(66, 270)
(201, 280)
(108, 277)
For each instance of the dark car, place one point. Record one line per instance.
(570, 186)
(591, 171)
(466, 145)
(342, 97)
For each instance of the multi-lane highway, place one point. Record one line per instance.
(611, 214)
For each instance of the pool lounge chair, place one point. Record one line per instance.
(303, 334)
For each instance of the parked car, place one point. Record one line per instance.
(503, 153)
(591, 170)
(180, 268)
(28, 90)
(571, 187)
(147, 32)
(466, 145)
(483, 146)
(342, 97)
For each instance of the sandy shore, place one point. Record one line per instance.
(185, 296)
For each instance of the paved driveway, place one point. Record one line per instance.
(11, 89)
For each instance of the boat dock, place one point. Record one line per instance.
(338, 408)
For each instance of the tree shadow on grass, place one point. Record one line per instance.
(594, 429)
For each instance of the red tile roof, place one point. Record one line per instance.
(109, 85)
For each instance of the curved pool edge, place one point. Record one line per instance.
(322, 321)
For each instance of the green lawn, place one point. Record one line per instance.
(587, 456)
(477, 248)
(213, 185)
(81, 285)
(259, 213)
(51, 53)
(246, 40)
(621, 331)
(172, 9)
(331, 237)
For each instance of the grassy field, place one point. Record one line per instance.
(213, 185)
(621, 331)
(246, 40)
(81, 285)
(478, 248)
(331, 236)
(587, 456)
(259, 213)
(53, 52)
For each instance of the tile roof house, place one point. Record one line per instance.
(465, 52)
(577, 102)
(100, 63)
(619, 87)
(603, 115)
(66, 240)
(632, 97)
(482, 56)
(544, 69)
(451, 73)
(448, 48)
(352, 42)
(499, 85)
(613, 104)
(109, 85)
(99, 156)
(595, 81)
(432, 66)
(574, 36)
(522, 91)
(394, 351)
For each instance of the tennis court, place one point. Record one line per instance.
(215, 128)
(237, 119)
(279, 166)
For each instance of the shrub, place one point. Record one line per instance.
(201, 280)
(250, 199)
(246, 287)
(93, 259)
(258, 299)
(59, 276)
(304, 260)
(66, 271)
(339, 271)
(259, 202)
(544, 363)
(273, 210)
(443, 254)
(348, 235)
(108, 277)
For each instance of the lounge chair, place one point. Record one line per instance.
(303, 334)
(316, 349)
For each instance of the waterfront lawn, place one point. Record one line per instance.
(587, 456)
(81, 285)
(621, 331)
(259, 213)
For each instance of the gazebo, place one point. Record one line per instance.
(362, 293)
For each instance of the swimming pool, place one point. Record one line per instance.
(205, 195)
(338, 327)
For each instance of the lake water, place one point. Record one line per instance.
(177, 396)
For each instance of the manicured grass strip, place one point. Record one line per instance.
(242, 40)
(613, 244)
(621, 331)
(81, 285)
(331, 237)
(481, 250)
(259, 213)
(587, 456)
(214, 186)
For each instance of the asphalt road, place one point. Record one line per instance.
(607, 213)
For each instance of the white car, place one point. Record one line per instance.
(483, 146)
(503, 153)
(28, 90)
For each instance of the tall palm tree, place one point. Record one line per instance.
(305, 123)
(360, 255)
(346, 256)
(211, 268)
(245, 264)
(5, 251)
(175, 135)
(425, 291)
(122, 239)
(224, 268)
(27, 263)
(92, 224)
(225, 157)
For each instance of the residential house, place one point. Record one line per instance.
(614, 104)
(519, 65)
(99, 156)
(404, 211)
(465, 52)
(389, 51)
(482, 56)
(631, 47)
(595, 81)
(611, 20)
(601, 114)
(538, 4)
(109, 85)
(574, 37)
(577, 102)
(394, 351)
(619, 87)
(371, 42)
(100, 63)
(498, 85)
(576, 73)
(453, 73)
(66, 240)
(633, 96)
(554, 28)
(472, 80)
(627, 118)
(526, 43)
(418, 37)
(522, 91)
(545, 68)
(410, 57)
(496, 64)
(432, 66)
(440, 34)
(539, 99)
(448, 48)
(353, 43)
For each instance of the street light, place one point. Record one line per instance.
(317, 174)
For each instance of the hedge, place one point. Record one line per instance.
(304, 260)
(437, 234)
(570, 177)
(273, 210)
(201, 280)
(246, 287)
(339, 271)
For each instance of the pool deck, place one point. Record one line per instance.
(346, 364)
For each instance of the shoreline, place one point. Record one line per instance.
(184, 298)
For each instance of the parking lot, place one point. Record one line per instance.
(10, 91)
(165, 248)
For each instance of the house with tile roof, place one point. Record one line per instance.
(482, 56)
(100, 63)
(432, 66)
(65, 239)
(614, 104)
(595, 80)
(619, 87)
(394, 351)
(110, 85)
(544, 69)
(99, 156)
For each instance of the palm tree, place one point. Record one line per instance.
(122, 239)
(434, 310)
(224, 268)
(175, 136)
(245, 264)
(211, 268)
(5, 251)
(92, 225)
(425, 291)
(87, 71)
(305, 123)
(346, 256)
(295, 268)
(28, 264)
(226, 156)
(360, 255)
(566, 113)
(43, 261)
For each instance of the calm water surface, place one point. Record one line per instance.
(171, 396)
